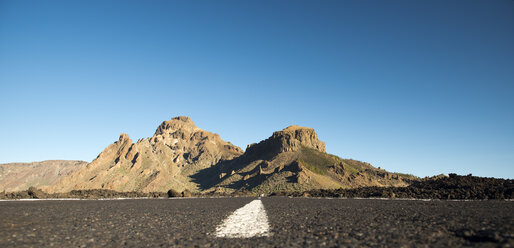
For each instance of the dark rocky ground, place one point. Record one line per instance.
(34, 193)
(441, 187)
(311, 222)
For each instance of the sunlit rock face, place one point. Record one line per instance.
(164, 161)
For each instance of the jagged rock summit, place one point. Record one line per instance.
(164, 161)
(290, 139)
(183, 123)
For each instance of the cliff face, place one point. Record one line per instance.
(290, 139)
(21, 176)
(293, 159)
(165, 161)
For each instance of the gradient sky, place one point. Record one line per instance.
(420, 87)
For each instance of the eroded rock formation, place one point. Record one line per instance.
(159, 163)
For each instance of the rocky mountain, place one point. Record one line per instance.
(176, 151)
(181, 156)
(293, 159)
(21, 176)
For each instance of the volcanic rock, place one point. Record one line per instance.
(437, 187)
(177, 150)
(173, 193)
(290, 139)
(293, 159)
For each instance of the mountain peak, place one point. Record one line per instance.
(290, 139)
(295, 128)
(179, 122)
(123, 137)
(183, 119)
(166, 160)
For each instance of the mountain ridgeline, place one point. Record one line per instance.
(183, 157)
(21, 176)
(293, 159)
(176, 151)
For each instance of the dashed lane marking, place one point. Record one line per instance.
(249, 221)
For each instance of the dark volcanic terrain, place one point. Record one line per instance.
(293, 221)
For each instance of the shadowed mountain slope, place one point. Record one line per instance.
(293, 159)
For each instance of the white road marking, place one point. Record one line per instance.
(249, 221)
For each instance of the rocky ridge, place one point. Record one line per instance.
(290, 139)
(181, 157)
(21, 176)
(293, 159)
(164, 161)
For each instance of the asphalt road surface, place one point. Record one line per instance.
(253, 222)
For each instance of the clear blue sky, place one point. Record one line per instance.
(421, 87)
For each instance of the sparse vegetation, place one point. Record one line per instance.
(174, 193)
(349, 167)
(313, 168)
(316, 161)
(406, 176)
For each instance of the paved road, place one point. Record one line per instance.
(292, 222)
